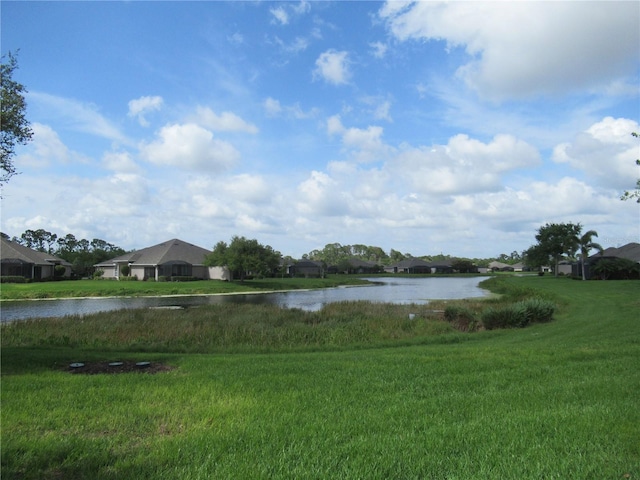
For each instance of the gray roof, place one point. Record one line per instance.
(174, 250)
(12, 251)
(411, 263)
(630, 251)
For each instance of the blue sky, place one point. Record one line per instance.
(426, 127)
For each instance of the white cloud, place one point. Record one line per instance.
(77, 116)
(224, 122)
(379, 49)
(365, 145)
(519, 49)
(280, 15)
(273, 108)
(120, 162)
(333, 67)
(190, 146)
(45, 149)
(463, 165)
(606, 152)
(143, 105)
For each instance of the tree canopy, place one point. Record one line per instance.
(244, 257)
(14, 126)
(554, 241)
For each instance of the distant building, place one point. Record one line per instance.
(173, 258)
(19, 261)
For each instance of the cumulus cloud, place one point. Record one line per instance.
(463, 165)
(143, 105)
(121, 162)
(332, 66)
(365, 145)
(606, 152)
(223, 122)
(519, 49)
(190, 146)
(45, 149)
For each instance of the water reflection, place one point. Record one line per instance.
(399, 290)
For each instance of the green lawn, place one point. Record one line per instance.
(106, 288)
(555, 401)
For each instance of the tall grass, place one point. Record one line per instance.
(232, 328)
(555, 400)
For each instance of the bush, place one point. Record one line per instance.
(128, 279)
(12, 279)
(461, 317)
(98, 274)
(59, 271)
(519, 314)
(125, 270)
(183, 279)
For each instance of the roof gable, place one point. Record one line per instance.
(15, 251)
(174, 250)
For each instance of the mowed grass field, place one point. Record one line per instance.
(109, 288)
(557, 400)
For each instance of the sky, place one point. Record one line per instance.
(424, 127)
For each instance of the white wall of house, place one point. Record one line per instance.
(219, 273)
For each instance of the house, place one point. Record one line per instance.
(307, 268)
(630, 251)
(173, 258)
(20, 261)
(409, 265)
(441, 266)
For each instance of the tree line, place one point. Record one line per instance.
(81, 253)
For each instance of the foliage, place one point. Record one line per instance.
(616, 269)
(244, 257)
(12, 279)
(125, 270)
(554, 241)
(14, 126)
(82, 254)
(555, 401)
(462, 317)
(518, 315)
(629, 194)
(585, 244)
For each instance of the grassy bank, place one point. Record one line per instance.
(109, 288)
(555, 400)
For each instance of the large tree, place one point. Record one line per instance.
(243, 256)
(14, 126)
(554, 241)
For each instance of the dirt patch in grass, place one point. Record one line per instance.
(94, 368)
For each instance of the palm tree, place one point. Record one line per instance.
(586, 243)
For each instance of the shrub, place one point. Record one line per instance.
(129, 279)
(461, 317)
(519, 314)
(177, 278)
(125, 270)
(12, 279)
(98, 274)
(59, 271)
(538, 310)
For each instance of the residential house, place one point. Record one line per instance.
(173, 258)
(441, 266)
(630, 251)
(409, 265)
(19, 261)
(307, 268)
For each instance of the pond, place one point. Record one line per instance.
(399, 290)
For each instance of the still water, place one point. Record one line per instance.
(400, 290)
